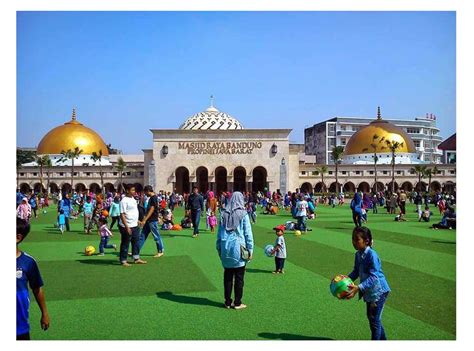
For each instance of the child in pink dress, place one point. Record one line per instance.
(212, 221)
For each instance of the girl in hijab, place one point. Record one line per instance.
(234, 246)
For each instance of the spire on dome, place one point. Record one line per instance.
(212, 108)
(379, 115)
(73, 114)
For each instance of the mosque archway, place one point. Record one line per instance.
(421, 186)
(53, 188)
(407, 186)
(435, 186)
(378, 186)
(389, 186)
(109, 187)
(38, 188)
(319, 187)
(182, 184)
(306, 188)
(239, 179)
(259, 175)
(66, 188)
(332, 187)
(202, 177)
(364, 187)
(221, 179)
(25, 188)
(94, 188)
(449, 187)
(80, 187)
(349, 187)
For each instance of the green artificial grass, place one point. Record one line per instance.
(180, 295)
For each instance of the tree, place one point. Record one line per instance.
(376, 140)
(321, 171)
(393, 146)
(430, 172)
(337, 153)
(42, 161)
(97, 156)
(23, 156)
(48, 166)
(120, 166)
(71, 155)
(421, 172)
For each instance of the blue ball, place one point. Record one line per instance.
(268, 250)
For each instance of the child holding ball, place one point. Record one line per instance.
(373, 286)
(279, 249)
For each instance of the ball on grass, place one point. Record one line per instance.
(89, 250)
(297, 232)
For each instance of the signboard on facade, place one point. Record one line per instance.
(219, 147)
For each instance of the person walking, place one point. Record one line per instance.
(128, 226)
(149, 223)
(235, 248)
(65, 205)
(196, 206)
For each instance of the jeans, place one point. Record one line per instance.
(114, 220)
(234, 277)
(374, 315)
(104, 243)
(153, 228)
(357, 218)
(196, 218)
(134, 238)
(302, 223)
(279, 264)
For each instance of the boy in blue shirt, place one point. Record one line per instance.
(27, 272)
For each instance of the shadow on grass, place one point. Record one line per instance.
(443, 242)
(191, 300)
(286, 336)
(256, 270)
(100, 262)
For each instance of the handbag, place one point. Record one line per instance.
(244, 253)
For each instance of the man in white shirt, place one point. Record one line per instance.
(129, 229)
(301, 213)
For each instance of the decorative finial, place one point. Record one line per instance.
(73, 114)
(379, 115)
(212, 100)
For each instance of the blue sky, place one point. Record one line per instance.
(128, 72)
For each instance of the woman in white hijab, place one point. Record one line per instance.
(235, 246)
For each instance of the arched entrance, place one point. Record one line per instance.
(349, 187)
(139, 187)
(202, 177)
(306, 188)
(80, 187)
(364, 187)
(66, 188)
(407, 186)
(259, 175)
(221, 179)
(109, 187)
(421, 186)
(332, 187)
(38, 188)
(435, 186)
(239, 179)
(94, 188)
(379, 186)
(53, 188)
(449, 187)
(319, 187)
(389, 186)
(182, 180)
(25, 188)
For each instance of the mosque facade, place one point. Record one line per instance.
(214, 151)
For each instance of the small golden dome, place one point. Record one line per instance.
(361, 142)
(70, 135)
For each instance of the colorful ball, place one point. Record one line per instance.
(297, 232)
(268, 251)
(89, 251)
(340, 286)
(105, 213)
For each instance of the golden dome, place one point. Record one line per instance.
(70, 135)
(361, 142)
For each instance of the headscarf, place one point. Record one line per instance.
(233, 212)
(211, 195)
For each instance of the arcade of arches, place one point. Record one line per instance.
(220, 179)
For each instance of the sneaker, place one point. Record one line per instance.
(126, 264)
(100, 254)
(159, 254)
(275, 272)
(129, 254)
(139, 261)
(282, 271)
(195, 235)
(240, 307)
(115, 247)
(227, 306)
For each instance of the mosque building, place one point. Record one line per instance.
(214, 151)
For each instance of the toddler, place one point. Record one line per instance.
(105, 235)
(279, 249)
(212, 221)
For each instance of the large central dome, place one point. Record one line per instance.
(70, 135)
(211, 118)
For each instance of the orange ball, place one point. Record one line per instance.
(105, 213)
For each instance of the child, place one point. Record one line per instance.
(61, 221)
(87, 208)
(279, 249)
(187, 222)
(105, 235)
(27, 272)
(208, 215)
(212, 221)
(425, 215)
(373, 286)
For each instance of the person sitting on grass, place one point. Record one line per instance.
(187, 222)
(279, 250)
(448, 221)
(105, 235)
(27, 272)
(425, 215)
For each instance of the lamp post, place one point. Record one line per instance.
(274, 149)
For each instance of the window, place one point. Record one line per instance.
(35, 174)
(343, 127)
(332, 127)
(303, 172)
(344, 172)
(343, 141)
(399, 172)
(22, 174)
(143, 173)
(413, 130)
(371, 172)
(330, 172)
(75, 174)
(385, 172)
(88, 173)
(417, 143)
(61, 174)
(452, 171)
(115, 173)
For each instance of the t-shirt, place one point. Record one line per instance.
(281, 253)
(153, 201)
(27, 272)
(129, 207)
(403, 197)
(301, 207)
(87, 208)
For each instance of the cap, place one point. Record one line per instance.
(280, 227)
